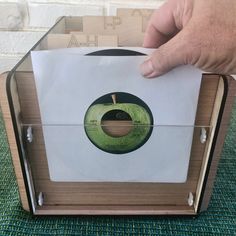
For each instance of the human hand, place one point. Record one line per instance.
(197, 32)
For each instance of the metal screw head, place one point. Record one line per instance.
(203, 135)
(29, 134)
(40, 199)
(190, 199)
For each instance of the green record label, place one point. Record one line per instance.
(118, 123)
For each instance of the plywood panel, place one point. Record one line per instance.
(55, 41)
(112, 193)
(145, 14)
(128, 29)
(12, 142)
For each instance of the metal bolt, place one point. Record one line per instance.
(190, 199)
(40, 199)
(29, 134)
(203, 136)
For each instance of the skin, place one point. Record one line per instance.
(196, 32)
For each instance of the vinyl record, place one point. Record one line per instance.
(119, 126)
(115, 52)
(133, 109)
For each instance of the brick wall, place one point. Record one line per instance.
(23, 22)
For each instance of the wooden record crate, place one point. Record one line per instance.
(42, 196)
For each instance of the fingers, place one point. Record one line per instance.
(167, 56)
(167, 32)
(162, 25)
(153, 38)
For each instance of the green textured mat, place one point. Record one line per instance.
(220, 219)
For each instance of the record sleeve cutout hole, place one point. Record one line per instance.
(118, 123)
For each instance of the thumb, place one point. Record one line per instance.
(171, 54)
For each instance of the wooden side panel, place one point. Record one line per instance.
(114, 194)
(98, 198)
(115, 210)
(219, 142)
(74, 39)
(145, 14)
(128, 29)
(12, 141)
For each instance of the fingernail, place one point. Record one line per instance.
(146, 68)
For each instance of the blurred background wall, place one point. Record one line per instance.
(23, 22)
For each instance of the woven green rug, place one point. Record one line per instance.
(220, 219)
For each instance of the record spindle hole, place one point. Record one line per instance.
(117, 123)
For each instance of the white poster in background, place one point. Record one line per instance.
(67, 83)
